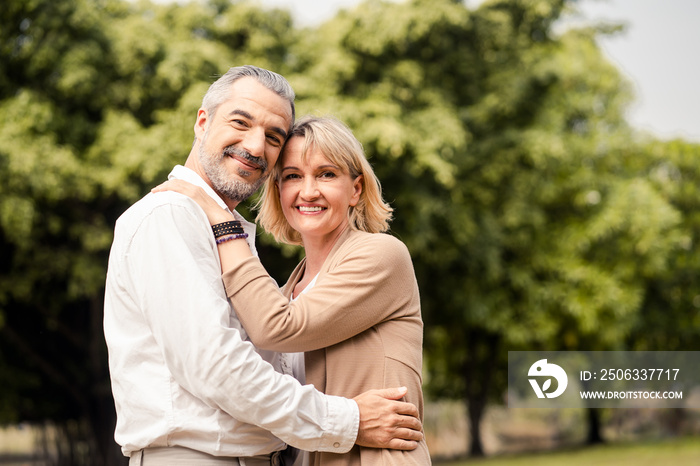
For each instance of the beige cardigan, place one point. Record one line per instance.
(360, 326)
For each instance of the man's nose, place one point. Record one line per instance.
(254, 142)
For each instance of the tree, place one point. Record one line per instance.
(98, 101)
(535, 216)
(503, 148)
(668, 318)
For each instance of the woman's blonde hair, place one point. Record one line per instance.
(337, 143)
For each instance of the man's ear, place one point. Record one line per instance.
(200, 125)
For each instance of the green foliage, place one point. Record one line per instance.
(98, 99)
(503, 148)
(520, 190)
(669, 317)
(535, 216)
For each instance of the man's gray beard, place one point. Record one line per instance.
(227, 186)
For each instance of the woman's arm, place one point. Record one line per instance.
(232, 253)
(371, 280)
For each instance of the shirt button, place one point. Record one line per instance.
(336, 445)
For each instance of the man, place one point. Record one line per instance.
(187, 385)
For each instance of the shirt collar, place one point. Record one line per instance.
(181, 172)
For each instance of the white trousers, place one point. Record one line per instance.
(180, 456)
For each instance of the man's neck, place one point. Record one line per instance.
(193, 164)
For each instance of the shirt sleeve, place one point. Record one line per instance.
(369, 282)
(185, 306)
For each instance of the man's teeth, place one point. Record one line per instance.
(310, 209)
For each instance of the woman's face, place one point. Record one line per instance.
(315, 194)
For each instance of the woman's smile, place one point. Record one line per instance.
(310, 209)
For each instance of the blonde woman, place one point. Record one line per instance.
(352, 304)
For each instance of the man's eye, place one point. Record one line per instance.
(275, 141)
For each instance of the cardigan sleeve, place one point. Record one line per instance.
(369, 279)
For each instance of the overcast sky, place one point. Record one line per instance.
(657, 54)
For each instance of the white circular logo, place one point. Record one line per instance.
(543, 369)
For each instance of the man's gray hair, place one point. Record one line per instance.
(220, 91)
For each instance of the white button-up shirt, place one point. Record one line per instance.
(183, 371)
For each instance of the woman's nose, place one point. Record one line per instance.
(309, 189)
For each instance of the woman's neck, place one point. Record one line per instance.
(317, 249)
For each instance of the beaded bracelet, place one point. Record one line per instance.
(230, 237)
(227, 228)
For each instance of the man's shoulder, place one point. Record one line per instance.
(157, 202)
(157, 206)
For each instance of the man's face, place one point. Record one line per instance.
(242, 140)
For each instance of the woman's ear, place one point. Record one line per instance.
(357, 185)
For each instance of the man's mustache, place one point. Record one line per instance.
(244, 154)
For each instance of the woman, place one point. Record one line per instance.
(352, 304)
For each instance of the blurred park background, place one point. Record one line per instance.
(537, 216)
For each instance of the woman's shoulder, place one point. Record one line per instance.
(378, 254)
(377, 244)
(374, 239)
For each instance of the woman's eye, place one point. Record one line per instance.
(291, 176)
(327, 175)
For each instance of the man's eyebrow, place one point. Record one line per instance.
(280, 131)
(242, 113)
(247, 115)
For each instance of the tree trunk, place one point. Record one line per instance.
(102, 417)
(476, 411)
(594, 436)
(478, 370)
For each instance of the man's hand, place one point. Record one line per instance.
(385, 423)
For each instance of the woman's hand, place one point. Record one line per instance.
(215, 213)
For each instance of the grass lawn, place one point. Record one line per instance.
(676, 452)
